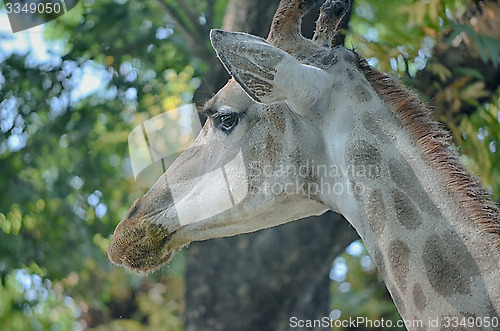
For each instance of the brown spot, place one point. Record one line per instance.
(365, 158)
(375, 209)
(399, 259)
(274, 113)
(403, 175)
(272, 148)
(406, 212)
(263, 149)
(419, 297)
(449, 265)
(362, 94)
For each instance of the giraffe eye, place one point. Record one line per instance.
(227, 122)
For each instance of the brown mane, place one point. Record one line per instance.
(435, 142)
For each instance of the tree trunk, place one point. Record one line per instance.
(259, 281)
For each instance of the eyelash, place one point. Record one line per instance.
(226, 122)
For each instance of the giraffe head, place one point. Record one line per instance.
(250, 166)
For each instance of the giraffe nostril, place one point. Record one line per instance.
(134, 210)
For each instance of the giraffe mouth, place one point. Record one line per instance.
(142, 246)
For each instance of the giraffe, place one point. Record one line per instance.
(305, 126)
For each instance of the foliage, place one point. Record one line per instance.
(358, 288)
(479, 143)
(31, 302)
(400, 35)
(488, 47)
(66, 179)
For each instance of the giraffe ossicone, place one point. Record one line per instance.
(295, 103)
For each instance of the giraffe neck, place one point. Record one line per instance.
(436, 259)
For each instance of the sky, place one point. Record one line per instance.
(21, 42)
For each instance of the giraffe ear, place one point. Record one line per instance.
(267, 73)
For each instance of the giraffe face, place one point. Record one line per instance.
(248, 169)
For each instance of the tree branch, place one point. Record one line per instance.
(195, 43)
(195, 20)
(210, 13)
